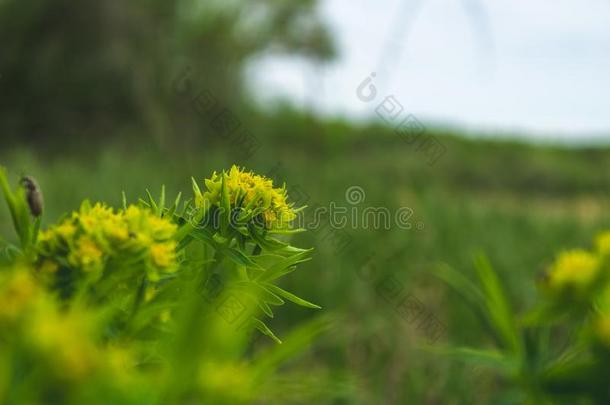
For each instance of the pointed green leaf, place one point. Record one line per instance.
(291, 297)
(260, 325)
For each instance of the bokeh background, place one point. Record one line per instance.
(501, 145)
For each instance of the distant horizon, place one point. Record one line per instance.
(531, 69)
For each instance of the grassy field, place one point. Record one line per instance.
(517, 203)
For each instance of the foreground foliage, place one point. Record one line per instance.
(152, 302)
(557, 352)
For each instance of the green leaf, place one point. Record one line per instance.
(260, 293)
(269, 296)
(499, 310)
(260, 325)
(297, 341)
(266, 308)
(234, 255)
(153, 204)
(225, 205)
(284, 266)
(196, 189)
(461, 285)
(286, 231)
(162, 200)
(480, 357)
(172, 210)
(291, 297)
(18, 209)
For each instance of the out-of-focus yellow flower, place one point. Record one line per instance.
(120, 363)
(247, 190)
(65, 340)
(573, 269)
(45, 236)
(17, 291)
(602, 243)
(60, 343)
(226, 381)
(66, 230)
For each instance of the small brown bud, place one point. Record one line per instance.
(33, 195)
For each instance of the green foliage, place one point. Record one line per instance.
(468, 202)
(121, 306)
(540, 369)
(25, 226)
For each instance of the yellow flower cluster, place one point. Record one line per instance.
(61, 340)
(250, 191)
(95, 235)
(579, 271)
(573, 269)
(583, 277)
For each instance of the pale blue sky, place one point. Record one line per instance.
(541, 68)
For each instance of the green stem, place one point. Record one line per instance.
(137, 302)
(184, 231)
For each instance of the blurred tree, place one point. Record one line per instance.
(90, 68)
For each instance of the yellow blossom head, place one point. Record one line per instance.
(96, 235)
(573, 270)
(87, 254)
(254, 195)
(163, 254)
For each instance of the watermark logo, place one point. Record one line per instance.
(357, 216)
(367, 91)
(355, 195)
(353, 215)
(408, 127)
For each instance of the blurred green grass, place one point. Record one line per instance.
(519, 203)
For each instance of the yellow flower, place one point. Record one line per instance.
(143, 239)
(132, 212)
(94, 234)
(66, 230)
(163, 254)
(16, 293)
(46, 236)
(250, 191)
(63, 339)
(116, 229)
(161, 228)
(87, 255)
(574, 268)
(602, 242)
